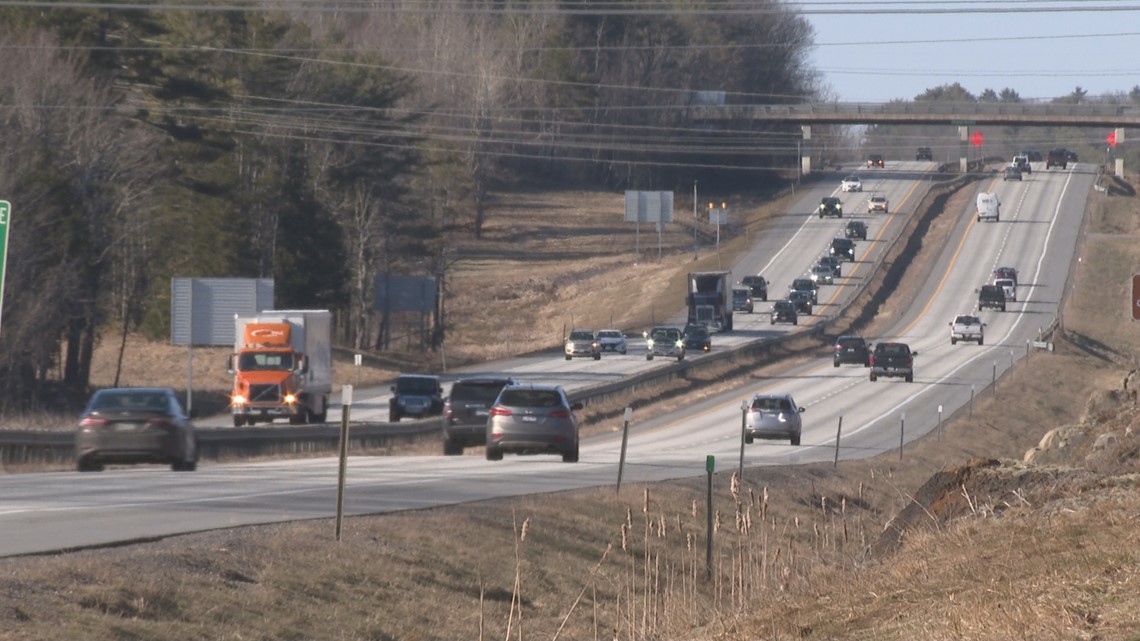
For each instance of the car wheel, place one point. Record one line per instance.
(796, 321)
(835, 363)
(393, 416)
(568, 357)
(796, 439)
(494, 454)
(773, 321)
(451, 448)
(981, 341)
(623, 352)
(680, 358)
(597, 357)
(910, 378)
(953, 341)
(1003, 308)
(649, 357)
(571, 456)
(748, 439)
(874, 378)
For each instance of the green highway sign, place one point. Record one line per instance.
(5, 216)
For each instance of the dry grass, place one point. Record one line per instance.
(996, 552)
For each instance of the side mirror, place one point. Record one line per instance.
(914, 353)
(645, 334)
(800, 410)
(230, 364)
(303, 364)
(576, 406)
(393, 388)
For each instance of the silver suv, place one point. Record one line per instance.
(533, 419)
(773, 416)
(664, 341)
(465, 411)
(583, 342)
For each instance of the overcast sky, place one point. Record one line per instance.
(1031, 52)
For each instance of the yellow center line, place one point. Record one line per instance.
(949, 268)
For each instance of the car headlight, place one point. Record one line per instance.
(680, 343)
(649, 343)
(780, 417)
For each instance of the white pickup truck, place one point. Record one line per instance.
(967, 327)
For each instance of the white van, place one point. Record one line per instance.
(989, 208)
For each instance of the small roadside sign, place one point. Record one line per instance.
(5, 216)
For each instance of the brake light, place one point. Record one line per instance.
(447, 411)
(872, 360)
(560, 414)
(500, 411)
(92, 423)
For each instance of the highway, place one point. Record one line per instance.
(1041, 220)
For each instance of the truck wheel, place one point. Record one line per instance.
(238, 421)
(796, 439)
(748, 439)
(393, 416)
(773, 321)
(835, 363)
(795, 321)
(953, 341)
(494, 454)
(571, 456)
(649, 357)
(623, 351)
(680, 358)
(451, 448)
(981, 341)
(874, 378)
(597, 357)
(910, 378)
(568, 357)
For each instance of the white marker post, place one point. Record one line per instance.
(346, 405)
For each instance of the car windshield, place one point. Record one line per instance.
(416, 385)
(967, 320)
(129, 401)
(890, 348)
(482, 391)
(740, 294)
(664, 334)
(250, 361)
(609, 333)
(850, 342)
(581, 336)
(530, 398)
(774, 404)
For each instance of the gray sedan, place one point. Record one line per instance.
(533, 419)
(773, 416)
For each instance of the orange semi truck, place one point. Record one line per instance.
(282, 367)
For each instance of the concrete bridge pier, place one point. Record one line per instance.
(1119, 160)
(805, 151)
(963, 148)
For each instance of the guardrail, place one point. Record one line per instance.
(37, 446)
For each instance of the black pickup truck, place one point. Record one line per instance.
(892, 360)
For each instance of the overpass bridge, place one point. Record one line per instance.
(961, 114)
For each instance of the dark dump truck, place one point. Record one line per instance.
(1058, 157)
(710, 300)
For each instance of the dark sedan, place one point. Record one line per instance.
(135, 425)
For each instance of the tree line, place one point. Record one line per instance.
(323, 149)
